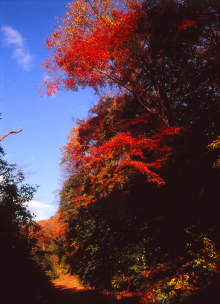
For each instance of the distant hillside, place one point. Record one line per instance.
(51, 226)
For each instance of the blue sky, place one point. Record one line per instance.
(46, 122)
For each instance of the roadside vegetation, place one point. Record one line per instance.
(139, 208)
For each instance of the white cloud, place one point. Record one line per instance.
(20, 52)
(42, 211)
(12, 36)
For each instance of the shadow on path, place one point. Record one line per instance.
(63, 295)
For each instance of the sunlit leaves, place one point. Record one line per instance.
(136, 171)
(147, 50)
(111, 147)
(215, 145)
(173, 281)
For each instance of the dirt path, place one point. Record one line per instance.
(69, 282)
(69, 291)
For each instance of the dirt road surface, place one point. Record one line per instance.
(68, 291)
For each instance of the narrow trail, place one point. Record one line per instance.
(68, 291)
(68, 283)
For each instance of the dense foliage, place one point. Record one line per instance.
(20, 276)
(141, 192)
(49, 251)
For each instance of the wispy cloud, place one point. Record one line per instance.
(42, 211)
(20, 53)
(6, 156)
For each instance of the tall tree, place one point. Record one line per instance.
(163, 53)
(138, 165)
(20, 276)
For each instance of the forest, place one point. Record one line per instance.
(139, 206)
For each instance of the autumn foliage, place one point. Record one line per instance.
(21, 277)
(49, 251)
(140, 192)
(111, 147)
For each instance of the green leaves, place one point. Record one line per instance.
(19, 273)
(137, 173)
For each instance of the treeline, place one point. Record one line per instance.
(21, 278)
(140, 198)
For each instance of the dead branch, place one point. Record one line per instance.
(2, 137)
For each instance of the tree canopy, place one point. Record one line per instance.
(141, 185)
(20, 276)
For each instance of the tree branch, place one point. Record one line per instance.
(2, 137)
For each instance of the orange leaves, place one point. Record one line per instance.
(82, 200)
(51, 86)
(111, 147)
(150, 56)
(112, 158)
(186, 24)
(144, 169)
(52, 227)
(91, 46)
(177, 279)
(101, 44)
(105, 162)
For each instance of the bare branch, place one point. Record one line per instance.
(2, 137)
